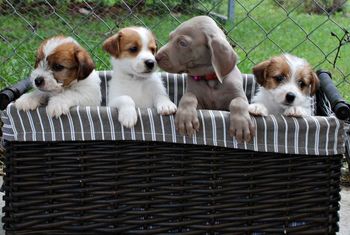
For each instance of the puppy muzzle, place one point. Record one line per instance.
(290, 97)
(39, 81)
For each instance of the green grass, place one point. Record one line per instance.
(257, 33)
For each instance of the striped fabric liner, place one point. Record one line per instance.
(325, 107)
(347, 146)
(176, 85)
(312, 135)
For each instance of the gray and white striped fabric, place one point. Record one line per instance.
(176, 85)
(325, 108)
(347, 145)
(312, 135)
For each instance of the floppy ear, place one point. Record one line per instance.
(111, 45)
(155, 42)
(223, 57)
(259, 72)
(315, 83)
(85, 63)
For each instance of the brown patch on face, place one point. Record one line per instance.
(271, 73)
(70, 62)
(152, 44)
(126, 43)
(40, 52)
(307, 80)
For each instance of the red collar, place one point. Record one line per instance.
(210, 76)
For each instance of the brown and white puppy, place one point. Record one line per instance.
(287, 84)
(63, 77)
(134, 82)
(200, 48)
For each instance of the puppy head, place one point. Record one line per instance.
(60, 62)
(288, 79)
(133, 50)
(197, 46)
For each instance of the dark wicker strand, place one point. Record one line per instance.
(128, 187)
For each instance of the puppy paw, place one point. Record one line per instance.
(26, 103)
(296, 111)
(186, 121)
(57, 107)
(166, 108)
(257, 109)
(127, 117)
(241, 125)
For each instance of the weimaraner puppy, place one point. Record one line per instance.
(200, 48)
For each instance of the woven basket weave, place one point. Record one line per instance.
(169, 185)
(151, 188)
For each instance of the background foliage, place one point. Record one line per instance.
(260, 29)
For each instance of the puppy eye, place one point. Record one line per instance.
(133, 49)
(57, 67)
(153, 50)
(279, 78)
(301, 84)
(182, 43)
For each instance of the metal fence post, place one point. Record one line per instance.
(231, 10)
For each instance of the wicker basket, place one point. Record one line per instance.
(154, 184)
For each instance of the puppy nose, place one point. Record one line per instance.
(161, 56)
(38, 81)
(290, 97)
(149, 64)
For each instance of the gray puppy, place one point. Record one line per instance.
(199, 47)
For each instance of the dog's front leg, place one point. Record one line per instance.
(60, 104)
(127, 115)
(258, 109)
(164, 105)
(186, 119)
(241, 125)
(31, 101)
(297, 111)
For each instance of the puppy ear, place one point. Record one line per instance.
(85, 63)
(156, 44)
(154, 41)
(259, 72)
(315, 83)
(111, 44)
(223, 57)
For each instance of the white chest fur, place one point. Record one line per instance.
(141, 90)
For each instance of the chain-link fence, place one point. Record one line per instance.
(258, 29)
